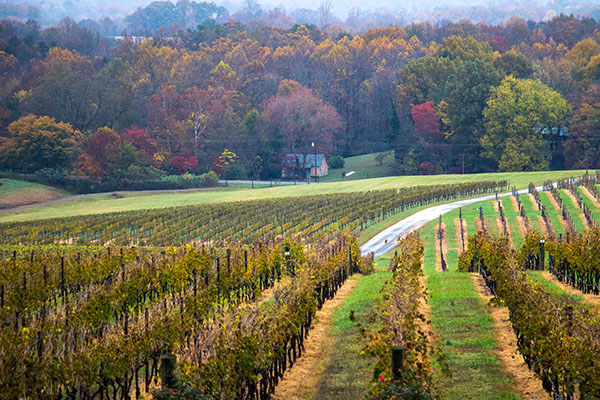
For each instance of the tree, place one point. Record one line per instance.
(301, 117)
(426, 120)
(163, 114)
(183, 164)
(200, 108)
(102, 146)
(582, 148)
(38, 142)
(64, 88)
(457, 47)
(138, 137)
(519, 115)
(465, 94)
(515, 64)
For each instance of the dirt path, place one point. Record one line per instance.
(268, 294)
(496, 204)
(543, 225)
(527, 385)
(478, 224)
(438, 258)
(501, 229)
(425, 309)
(585, 221)
(553, 201)
(588, 298)
(301, 380)
(521, 224)
(563, 223)
(533, 202)
(590, 196)
(514, 204)
(499, 225)
(572, 198)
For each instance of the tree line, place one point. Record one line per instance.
(233, 98)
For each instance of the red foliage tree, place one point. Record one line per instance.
(102, 146)
(146, 147)
(184, 164)
(426, 120)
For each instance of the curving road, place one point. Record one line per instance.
(386, 240)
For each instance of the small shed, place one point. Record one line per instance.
(304, 166)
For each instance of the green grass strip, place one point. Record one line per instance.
(348, 371)
(460, 318)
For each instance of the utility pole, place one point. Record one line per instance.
(315, 150)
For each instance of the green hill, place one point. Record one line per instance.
(374, 165)
(15, 193)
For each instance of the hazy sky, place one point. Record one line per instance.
(97, 8)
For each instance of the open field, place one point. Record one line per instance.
(140, 200)
(15, 193)
(365, 167)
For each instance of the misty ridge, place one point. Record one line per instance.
(143, 18)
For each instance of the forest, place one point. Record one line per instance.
(233, 98)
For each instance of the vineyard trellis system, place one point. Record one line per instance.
(557, 336)
(309, 217)
(81, 321)
(95, 336)
(403, 327)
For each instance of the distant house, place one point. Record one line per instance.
(304, 166)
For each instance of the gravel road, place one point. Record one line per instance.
(386, 240)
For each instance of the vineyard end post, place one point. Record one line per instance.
(542, 254)
(397, 361)
(168, 364)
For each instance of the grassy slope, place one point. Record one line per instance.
(107, 203)
(364, 167)
(15, 193)
(348, 372)
(460, 317)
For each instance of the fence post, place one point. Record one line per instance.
(397, 361)
(542, 255)
(168, 364)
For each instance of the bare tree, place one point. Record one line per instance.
(325, 14)
(253, 9)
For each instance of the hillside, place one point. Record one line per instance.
(366, 166)
(140, 200)
(18, 193)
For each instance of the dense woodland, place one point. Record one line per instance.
(233, 98)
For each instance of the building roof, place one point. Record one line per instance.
(297, 160)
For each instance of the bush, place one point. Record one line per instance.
(235, 171)
(368, 264)
(211, 178)
(336, 162)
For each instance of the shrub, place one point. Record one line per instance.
(211, 178)
(336, 162)
(235, 171)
